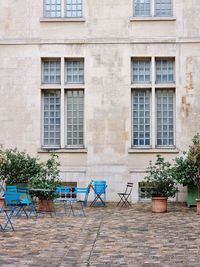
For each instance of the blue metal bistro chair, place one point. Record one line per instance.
(63, 195)
(7, 217)
(99, 188)
(80, 200)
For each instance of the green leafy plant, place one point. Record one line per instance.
(159, 180)
(186, 169)
(18, 167)
(49, 179)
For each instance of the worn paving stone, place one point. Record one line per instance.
(107, 237)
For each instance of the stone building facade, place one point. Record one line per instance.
(105, 84)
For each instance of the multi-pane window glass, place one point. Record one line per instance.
(163, 8)
(74, 8)
(141, 69)
(141, 117)
(165, 70)
(165, 117)
(142, 7)
(51, 71)
(74, 110)
(74, 71)
(52, 8)
(51, 118)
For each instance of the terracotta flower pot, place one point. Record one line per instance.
(45, 205)
(1, 202)
(198, 205)
(159, 204)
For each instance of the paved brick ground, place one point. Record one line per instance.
(106, 237)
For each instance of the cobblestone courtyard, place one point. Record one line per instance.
(106, 237)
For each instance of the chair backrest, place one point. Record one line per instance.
(12, 198)
(129, 188)
(84, 192)
(12, 188)
(63, 191)
(100, 187)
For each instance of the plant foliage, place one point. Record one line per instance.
(159, 179)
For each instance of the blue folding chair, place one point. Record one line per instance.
(81, 199)
(99, 188)
(8, 215)
(63, 195)
(26, 201)
(11, 188)
(14, 203)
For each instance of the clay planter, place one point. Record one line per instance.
(198, 206)
(159, 204)
(45, 205)
(1, 202)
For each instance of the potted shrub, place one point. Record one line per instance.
(47, 180)
(18, 167)
(2, 160)
(160, 184)
(187, 172)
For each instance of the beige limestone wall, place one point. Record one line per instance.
(107, 40)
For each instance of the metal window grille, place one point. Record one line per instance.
(51, 118)
(165, 102)
(141, 69)
(141, 116)
(51, 71)
(163, 8)
(165, 70)
(74, 71)
(74, 117)
(52, 8)
(74, 8)
(142, 8)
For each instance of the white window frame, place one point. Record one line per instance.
(153, 10)
(62, 87)
(63, 11)
(153, 86)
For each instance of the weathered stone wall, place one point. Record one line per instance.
(107, 40)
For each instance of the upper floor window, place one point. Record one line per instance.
(74, 70)
(163, 8)
(51, 70)
(148, 8)
(74, 8)
(141, 69)
(63, 8)
(165, 70)
(142, 8)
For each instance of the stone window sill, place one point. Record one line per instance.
(152, 150)
(62, 150)
(62, 19)
(152, 18)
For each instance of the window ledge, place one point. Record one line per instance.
(152, 18)
(62, 19)
(152, 150)
(62, 150)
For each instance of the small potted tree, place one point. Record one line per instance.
(187, 172)
(160, 184)
(47, 181)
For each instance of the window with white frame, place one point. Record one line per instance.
(62, 109)
(74, 8)
(141, 117)
(153, 107)
(51, 70)
(165, 70)
(142, 8)
(163, 8)
(63, 8)
(74, 70)
(141, 69)
(51, 118)
(165, 101)
(74, 101)
(148, 8)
